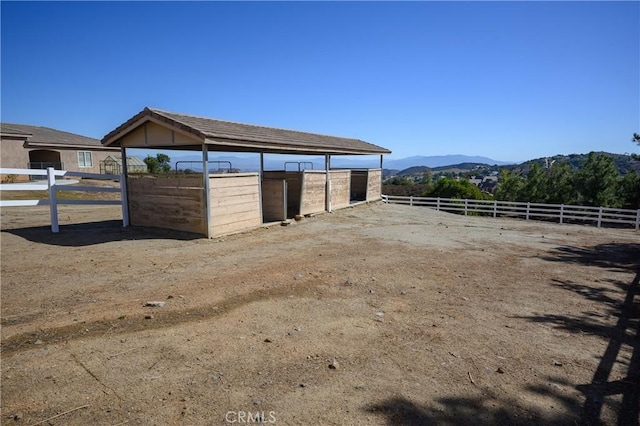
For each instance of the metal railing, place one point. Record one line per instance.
(219, 170)
(299, 163)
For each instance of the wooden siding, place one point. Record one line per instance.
(313, 192)
(234, 202)
(340, 188)
(294, 188)
(172, 203)
(154, 134)
(274, 199)
(374, 185)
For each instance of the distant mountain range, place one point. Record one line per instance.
(252, 163)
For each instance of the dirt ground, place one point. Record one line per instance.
(378, 314)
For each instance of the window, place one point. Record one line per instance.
(84, 159)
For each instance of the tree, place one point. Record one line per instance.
(596, 181)
(427, 180)
(510, 186)
(560, 184)
(535, 188)
(158, 164)
(452, 188)
(635, 139)
(628, 193)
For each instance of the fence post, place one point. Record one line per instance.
(561, 212)
(495, 208)
(53, 199)
(411, 200)
(528, 209)
(638, 220)
(599, 216)
(438, 204)
(466, 206)
(124, 200)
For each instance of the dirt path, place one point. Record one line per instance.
(427, 317)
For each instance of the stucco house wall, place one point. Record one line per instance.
(24, 146)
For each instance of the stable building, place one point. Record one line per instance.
(215, 204)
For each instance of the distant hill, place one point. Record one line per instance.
(416, 170)
(624, 163)
(439, 161)
(454, 168)
(461, 167)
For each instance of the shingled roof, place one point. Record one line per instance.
(248, 137)
(45, 136)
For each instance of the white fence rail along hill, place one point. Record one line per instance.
(563, 213)
(52, 185)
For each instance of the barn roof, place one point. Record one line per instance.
(45, 136)
(244, 137)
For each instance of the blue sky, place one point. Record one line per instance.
(506, 80)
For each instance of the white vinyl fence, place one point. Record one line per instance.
(52, 186)
(563, 213)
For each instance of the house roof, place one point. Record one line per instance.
(12, 131)
(245, 137)
(37, 136)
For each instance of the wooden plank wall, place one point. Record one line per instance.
(273, 200)
(235, 202)
(359, 182)
(294, 187)
(167, 202)
(374, 185)
(313, 192)
(340, 188)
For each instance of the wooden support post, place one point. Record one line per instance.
(327, 166)
(528, 211)
(599, 216)
(260, 187)
(495, 208)
(53, 199)
(561, 212)
(205, 177)
(466, 206)
(284, 198)
(124, 196)
(638, 220)
(438, 204)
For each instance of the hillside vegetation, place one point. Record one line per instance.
(594, 179)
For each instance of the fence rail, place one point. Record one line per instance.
(562, 212)
(53, 185)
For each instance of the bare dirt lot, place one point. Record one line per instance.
(378, 314)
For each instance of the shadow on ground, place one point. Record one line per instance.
(87, 234)
(617, 298)
(484, 410)
(618, 301)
